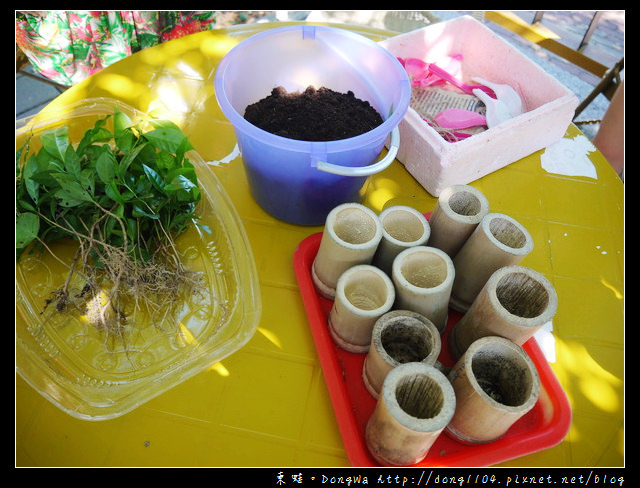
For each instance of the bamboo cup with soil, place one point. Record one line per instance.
(498, 241)
(459, 210)
(402, 227)
(398, 337)
(423, 277)
(495, 384)
(514, 303)
(415, 405)
(351, 236)
(363, 294)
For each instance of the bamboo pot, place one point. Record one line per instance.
(514, 303)
(416, 404)
(363, 294)
(499, 240)
(402, 227)
(459, 210)
(423, 277)
(399, 337)
(350, 237)
(495, 384)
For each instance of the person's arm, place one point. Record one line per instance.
(610, 137)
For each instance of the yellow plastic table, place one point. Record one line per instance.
(268, 403)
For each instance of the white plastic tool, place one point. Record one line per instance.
(497, 110)
(506, 94)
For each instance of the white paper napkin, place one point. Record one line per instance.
(570, 157)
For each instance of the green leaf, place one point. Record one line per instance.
(126, 161)
(32, 186)
(187, 171)
(132, 229)
(138, 211)
(111, 190)
(72, 161)
(69, 198)
(105, 167)
(120, 122)
(184, 189)
(168, 136)
(165, 160)
(154, 177)
(87, 181)
(27, 228)
(55, 142)
(96, 134)
(143, 187)
(126, 140)
(24, 204)
(182, 149)
(72, 192)
(19, 151)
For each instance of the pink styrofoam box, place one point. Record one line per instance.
(548, 105)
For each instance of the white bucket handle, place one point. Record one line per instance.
(335, 169)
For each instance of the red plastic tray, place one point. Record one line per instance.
(542, 427)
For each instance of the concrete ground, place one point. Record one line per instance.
(606, 46)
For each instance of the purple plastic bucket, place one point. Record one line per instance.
(301, 181)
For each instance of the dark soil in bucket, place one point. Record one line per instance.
(313, 115)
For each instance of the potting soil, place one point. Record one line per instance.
(313, 115)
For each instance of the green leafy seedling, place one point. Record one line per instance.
(123, 195)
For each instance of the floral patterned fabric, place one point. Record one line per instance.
(68, 46)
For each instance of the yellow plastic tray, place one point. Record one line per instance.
(73, 365)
